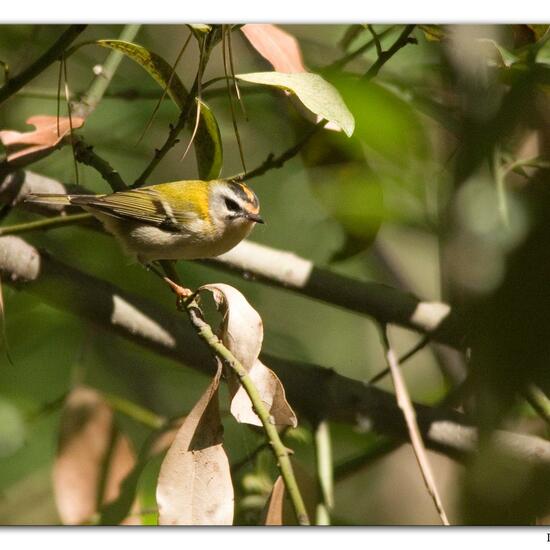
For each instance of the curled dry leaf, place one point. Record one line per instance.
(26, 147)
(280, 48)
(275, 507)
(194, 485)
(242, 333)
(93, 458)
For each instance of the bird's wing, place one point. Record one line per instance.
(145, 205)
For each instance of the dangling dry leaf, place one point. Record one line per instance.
(26, 147)
(277, 46)
(194, 485)
(242, 333)
(274, 513)
(89, 438)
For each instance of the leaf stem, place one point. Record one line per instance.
(13, 85)
(204, 330)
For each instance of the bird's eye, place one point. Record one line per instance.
(232, 205)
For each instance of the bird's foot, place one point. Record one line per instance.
(183, 295)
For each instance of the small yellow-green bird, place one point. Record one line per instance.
(183, 220)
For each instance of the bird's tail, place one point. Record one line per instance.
(61, 199)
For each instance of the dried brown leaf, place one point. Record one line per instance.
(194, 485)
(277, 46)
(274, 513)
(242, 333)
(88, 438)
(26, 147)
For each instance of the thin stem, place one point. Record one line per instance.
(277, 162)
(101, 82)
(325, 468)
(405, 404)
(280, 451)
(384, 57)
(230, 97)
(165, 91)
(343, 61)
(55, 51)
(42, 225)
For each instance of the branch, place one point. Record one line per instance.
(384, 57)
(55, 51)
(330, 396)
(85, 155)
(384, 303)
(204, 330)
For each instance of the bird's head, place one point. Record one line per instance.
(233, 205)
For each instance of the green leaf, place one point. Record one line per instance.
(313, 91)
(208, 144)
(154, 64)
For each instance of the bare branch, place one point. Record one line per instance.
(329, 394)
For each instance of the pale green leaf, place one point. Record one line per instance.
(319, 96)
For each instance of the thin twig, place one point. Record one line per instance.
(277, 162)
(70, 113)
(325, 473)
(405, 404)
(230, 97)
(344, 60)
(385, 56)
(421, 344)
(376, 39)
(204, 330)
(55, 51)
(45, 224)
(167, 87)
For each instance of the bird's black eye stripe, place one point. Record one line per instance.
(232, 205)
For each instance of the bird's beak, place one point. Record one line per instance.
(254, 217)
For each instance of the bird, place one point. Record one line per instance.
(180, 220)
